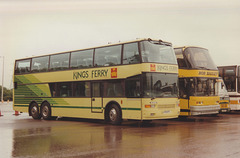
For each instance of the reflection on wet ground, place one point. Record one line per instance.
(21, 136)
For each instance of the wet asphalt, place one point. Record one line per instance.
(201, 137)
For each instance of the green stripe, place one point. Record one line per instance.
(131, 108)
(84, 107)
(224, 103)
(21, 105)
(79, 107)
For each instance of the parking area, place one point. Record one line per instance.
(214, 136)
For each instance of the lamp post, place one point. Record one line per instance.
(2, 78)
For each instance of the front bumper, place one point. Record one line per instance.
(235, 106)
(224, 110)
(204, 110)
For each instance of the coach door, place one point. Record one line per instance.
(97, 100)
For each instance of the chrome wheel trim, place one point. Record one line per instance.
(34, 110)
(113, 114)
(45, 111)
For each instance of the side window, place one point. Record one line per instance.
(15, 85)
(108, 56)
(53, 89)
(59, 61)
(180, 59)
(230, 82)
(230, 78)
(82, 59)
(63, 89)
(238, 80)
(220, 72)
(81, 89)
(132, 87)
(96, 89)
(131, 54)
(22, 66)
(113, 89)
(40, 64)
(183, 88)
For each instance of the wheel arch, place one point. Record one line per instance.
(45, 101)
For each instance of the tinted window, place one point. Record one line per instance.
(113, 89)
(40, 64)
(220, 72)
(96, 89)
(59, 61)
(132, 86)
(53, 89)
(230, 71)
(131, 53)
(22, 66)
(160, 85)
(82, 59)
(205, 87)
(230, 82)
(64, 89)
(186, 87)
(199, 58)
(183, 93)
(182, 63)
(238, 80)
(238, 71)
(81, 89)
(108, 56)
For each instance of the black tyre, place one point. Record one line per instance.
(34, 111)
(114, 115)
(46, 111)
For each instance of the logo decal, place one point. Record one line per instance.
(113, 72)
(152, 67)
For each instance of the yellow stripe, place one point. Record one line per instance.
(197, 73)
(234, 102)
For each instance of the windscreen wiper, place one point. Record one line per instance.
(160, 42)
(202, 67)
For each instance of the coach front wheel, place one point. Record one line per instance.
(114, 115)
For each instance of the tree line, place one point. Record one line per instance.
(7, 94)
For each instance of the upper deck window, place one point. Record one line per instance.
(182, 63)
(59, 61)
(40, 64)
(199, 58)
(82, 59)
(22, 66)
(131, 53)
(229, 77)
(108, 56)
(157, 53)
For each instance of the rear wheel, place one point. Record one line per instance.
(34, 111)
(114, 115)
(46, 111)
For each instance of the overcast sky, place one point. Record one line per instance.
(37, 27)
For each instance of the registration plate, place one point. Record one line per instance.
(166, 112)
